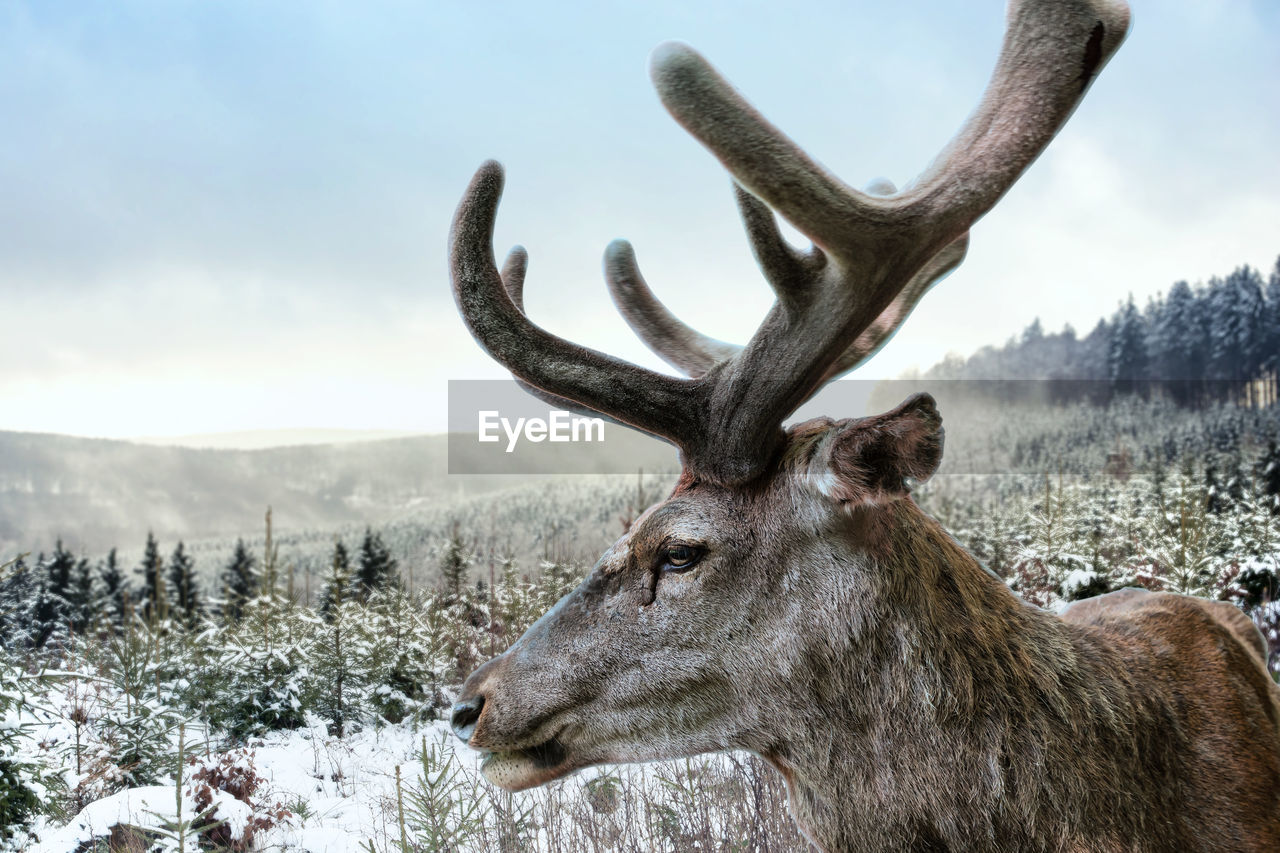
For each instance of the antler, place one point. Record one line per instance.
(875, 252)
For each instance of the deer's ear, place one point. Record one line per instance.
(875, 460)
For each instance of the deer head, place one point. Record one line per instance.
(735, 613)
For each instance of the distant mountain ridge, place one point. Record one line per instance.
(96, 493)
(266, 439)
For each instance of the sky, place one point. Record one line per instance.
(233, 216)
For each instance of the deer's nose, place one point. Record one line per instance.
(464, 718)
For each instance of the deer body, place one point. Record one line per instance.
(789, 598)
(977, 722)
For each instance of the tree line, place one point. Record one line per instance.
(1197, 344)
(63, 595)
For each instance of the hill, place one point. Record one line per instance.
(97, 493)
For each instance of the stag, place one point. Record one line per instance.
(790, 599)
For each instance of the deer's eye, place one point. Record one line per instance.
(679, 557)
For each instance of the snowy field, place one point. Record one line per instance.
(375, 790)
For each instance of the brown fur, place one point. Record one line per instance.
(909, 699)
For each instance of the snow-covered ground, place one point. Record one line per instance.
(358, 794)
(340, 792)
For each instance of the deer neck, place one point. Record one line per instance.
(918, 727)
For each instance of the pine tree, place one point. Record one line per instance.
(1215, 500)
(25, 785)
(337, 657)
(1271, 332)
(455, 564)
(83, 602)
(185, 590)
(115, 590)
(337, 587)
(154, 598)
(54, 613)
(514, 602)
(1127, 355)
(1095, 349)
(377, 571)
(1235, 306)
(1251, 321)
(239, 582)
(59, 569)
(46, 609)
(1269, 475)
(17, 596)
(407, 652)
(1178, 345)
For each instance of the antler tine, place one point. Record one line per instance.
(513, 273)
(758, 155)
(788, 272)
(649, 401)
(672, 340)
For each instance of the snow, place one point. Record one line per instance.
(151, 807)
(1077, 579)
(341, 792)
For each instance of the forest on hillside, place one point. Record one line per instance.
(1211, 342)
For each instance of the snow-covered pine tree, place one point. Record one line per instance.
(1185, 545)
(263, 665)
(556, 579)
(153, 602)
(1235, 317)
(1254, 536)
(133, 726)
(43, 612)
(514, 602)
(337, 586)
(1178, 344)
(184, 588)
(376, 570)
(239, 582)
(409, 649)
(82, 598)
(338, 665)
(55, 613)
(455, 567)
(1127, 353)
(1094, 351)
(24, 785)
(1271, 333)
(1215, 497)
(1269, 476)
(114, 596)
(17, 596)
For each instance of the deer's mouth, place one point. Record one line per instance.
(518, 769)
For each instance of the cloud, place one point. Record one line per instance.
(244, 205)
